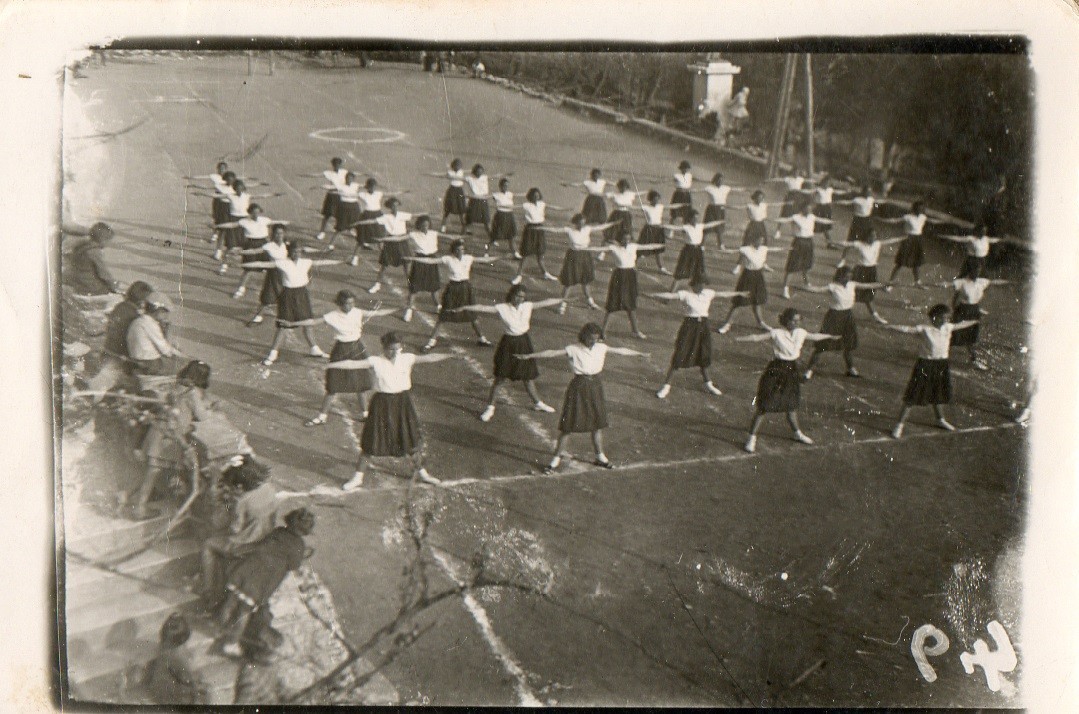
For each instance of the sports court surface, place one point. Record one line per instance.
(693, 573)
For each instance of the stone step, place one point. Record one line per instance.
(121, 610)
(107, 537)
(165, 562)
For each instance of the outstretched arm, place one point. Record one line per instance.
(956, 239)
(350, 364)
(964, 324)
(812, 288)
(870, 286)
(626, 352)
(326, 262)
(908, 329)
(543, 354)
(488, 309)
(431, 358)
(301, 323)
(889, 241)
(380, 312)
(419, 259)
(760, 337)
(540, 304)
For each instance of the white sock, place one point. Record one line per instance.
(556, 461)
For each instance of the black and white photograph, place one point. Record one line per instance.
(396, 367)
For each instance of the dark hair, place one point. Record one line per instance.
(589, 329)
(277, 228)
(175, 631)
(981, 229)
(336, 161)
(757, 196)
(221, 165)
(692, 215)
(595, 174)
(228, 177)
(301, 521)
(138, 291)
(392, 202)
(717, 179)
(503, 183)
(477, 169)
(254, 207)
(653, 196)
(239, 186)
(514, 291)
(533, 195)
(842, 275)
(390, 338)
(918, 207)
(248, 476)
(971, 270)
(195, 373)
(456, 164)
(622, 185)
(101, 231)
(349, 176)
(293, 248)
(787, 315)
(422, 223)
(342, 296)
(370, 183)
(697, 282)
(684, 165)
(937, 311)
(455, 244)
(577, 219)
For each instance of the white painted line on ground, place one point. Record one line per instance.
(525, 696)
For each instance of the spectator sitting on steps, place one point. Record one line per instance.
(114, 358)
(147, 344)
(169, 677)
(254, 517)
(88, 273)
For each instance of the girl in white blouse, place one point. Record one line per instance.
(394, 241)
(757, 211)
(823, 196)
(682, 198)
(423, 276)
(966, 305)
(594, 209)
(690, 264)
(693, 345)
(348, 206)
(718, 194)
(865, 254)
(577, 265)
(930, 380)
(653, 237)
(751, 267)
(978, 247)
(800, 257)
(516, 315)
(533, 242)
(256, 231)
(294, 302)
(503, 226)
(839, 320)
(392, 427)
(585, 408)
(347, 323)
(335, 176)
(458, 292)
(911, 253)
(779, 389)
(478, 211)
(861, 223)
(454, 202)
(621, 218)
(273, 249)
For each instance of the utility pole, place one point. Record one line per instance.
(779, 130)
(809, 115)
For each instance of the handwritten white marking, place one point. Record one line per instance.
(992, 662)
(919, 650)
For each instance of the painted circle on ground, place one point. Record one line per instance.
(358, 135)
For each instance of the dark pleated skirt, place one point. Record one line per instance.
(930, 383)
(458, 293)
(800, 256)
(969, 335)
(533, 240)
(751, 281)
(690, 263)
(347, 381)
(861, 228)
(864, 274)
(578, 268)
(454, 201)
(841, 324)
(911, 253)
(584, 409)
(622, 290)
(348, 212)
(478, 212)
(681, 195)
(392, 427)
(233, 237)
(293, 305)
(753, 230)
(369, 232)
(780, 387)
(393, 252)
(714, 212)
(623, 223)
(823, 210)
(652, 236)
(219, 210)
(249, 244)
(507, 366)
(329, 205)
(693, 345)
(792, 203)
(271, 288)
(423, 278)
(971, 263)
(504, 227)
(594, 210)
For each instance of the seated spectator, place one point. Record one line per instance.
(169, 677)
(168, 440)
(149, 348)
(259, 573)
(88, 274)
(114, 358)
(255, 516)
